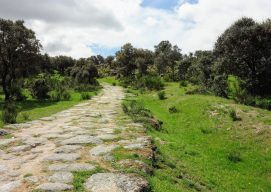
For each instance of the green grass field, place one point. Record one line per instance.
(35, 109)
(202, 147)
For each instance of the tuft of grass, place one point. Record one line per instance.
(161, 95)
(80, 177)
(233, 115)
(235, 156)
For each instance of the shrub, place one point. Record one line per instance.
(10, 112)
(183, 84)
(66, 95)
(114, 83)
(86, 88)
(153, 82)
(198, 90)
(263, 103)
(161, 95)
(233, 115)
(40, 88)
(85, 96)
(55, 96)
(235, 157)
(173, 109)
(26, 116)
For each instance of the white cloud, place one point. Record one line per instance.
(69, 26)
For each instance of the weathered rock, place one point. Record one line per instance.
(82, 139)
(134, 146)
(114, 182)
(34, 142)
(32, 179)
(11, 186)
(102, 150)
(3, 168)
(72, 167)
(3, 132)
(20, 148)
(54, 187)
(135, 164)
(106, 137)
(68, 148)
(18, 126)
(62, 177)
(63, 157)
(7, 141)
(48, 118)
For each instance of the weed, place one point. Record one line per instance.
(161, 95)
(26, 116)
(173, 109)
(85, 96)
(234, 116)
(235, 157)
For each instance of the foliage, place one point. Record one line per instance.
(10, 112)
(39, 87)
(85, 96)
(161, 95)
(243, 50)
(173, 109)
(18, 51)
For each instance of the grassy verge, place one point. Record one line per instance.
(109, 80)
(209, 143)
(33, 109)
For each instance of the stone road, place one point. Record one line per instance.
(44, 155)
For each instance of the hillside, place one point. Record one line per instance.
(210, 144)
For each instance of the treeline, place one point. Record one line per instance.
(239, 66)
(25, 73)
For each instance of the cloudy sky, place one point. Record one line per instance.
(81, 28)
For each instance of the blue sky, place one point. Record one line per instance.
(103, 50)
(164, 4)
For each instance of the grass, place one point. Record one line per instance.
(33, 109)
(202, 148)
(80, 178)
(109, 80)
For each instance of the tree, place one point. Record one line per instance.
(62, 63)
(144, 58)
(167, 57)
(18, 50)
(125, 59)
(85, 71)
(244, 50)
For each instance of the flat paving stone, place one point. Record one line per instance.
(11, 186)
(82, 139)
(102, 150)
(7, 141)
(61, 177)
(63, 157)
(68, 148)
(106, 137)
(71, 167)
(54, 187)
(116, 182)
(32, 179)
(20, 148)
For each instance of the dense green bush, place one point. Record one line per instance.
(10, 112)
(40, 88)
(151, 82)
(173, 109)
(264, 103)
(85, 96)
(86, 88)
(161, 95)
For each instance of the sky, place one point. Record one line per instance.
(81, 28)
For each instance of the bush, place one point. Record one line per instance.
(161, 95)
(86, 88)
(85, 96)
(198, 90)
(263, 103)
(183, 84)
(233, 115)
(25, 116)
(153, 82)
(10, 112)
(114, 83)
(235, 157)
(40, 89)
(173, 109)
